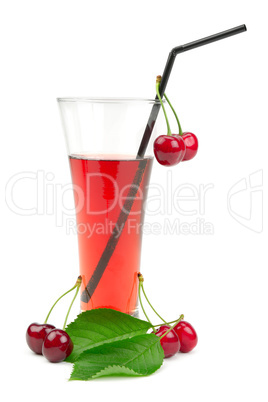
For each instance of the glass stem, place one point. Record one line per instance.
(175, 114)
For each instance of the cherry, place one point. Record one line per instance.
(190, 139)
(187, 336)
(191, 143)
(57, 346)
(36, 334)
(169, 150)
(170, 342)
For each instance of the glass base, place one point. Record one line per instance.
(135, 313)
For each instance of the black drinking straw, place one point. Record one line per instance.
(169, 64)
(115, 235)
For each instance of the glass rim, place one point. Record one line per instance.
(109, 100)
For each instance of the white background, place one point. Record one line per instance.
(219, 281)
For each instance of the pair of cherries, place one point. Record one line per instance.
(180, 337)
(171, 149)
(53, 343)
(49, 341)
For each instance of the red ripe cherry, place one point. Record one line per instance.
(57, 346)
(187, 336)
(169, 150)
(191, 143)
(170, 342)
(36, 334)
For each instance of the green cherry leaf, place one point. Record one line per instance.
(141, 355)
(100, 326)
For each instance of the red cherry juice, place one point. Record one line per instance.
(101, 187)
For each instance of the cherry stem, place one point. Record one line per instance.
(166, 323)
(158, 80)
(78, 284)
(141, 280)
(175, 114)
(61, 298)
(173, 326)
(148, 319)
(161, 318)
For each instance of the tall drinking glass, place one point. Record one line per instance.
(110, 188)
